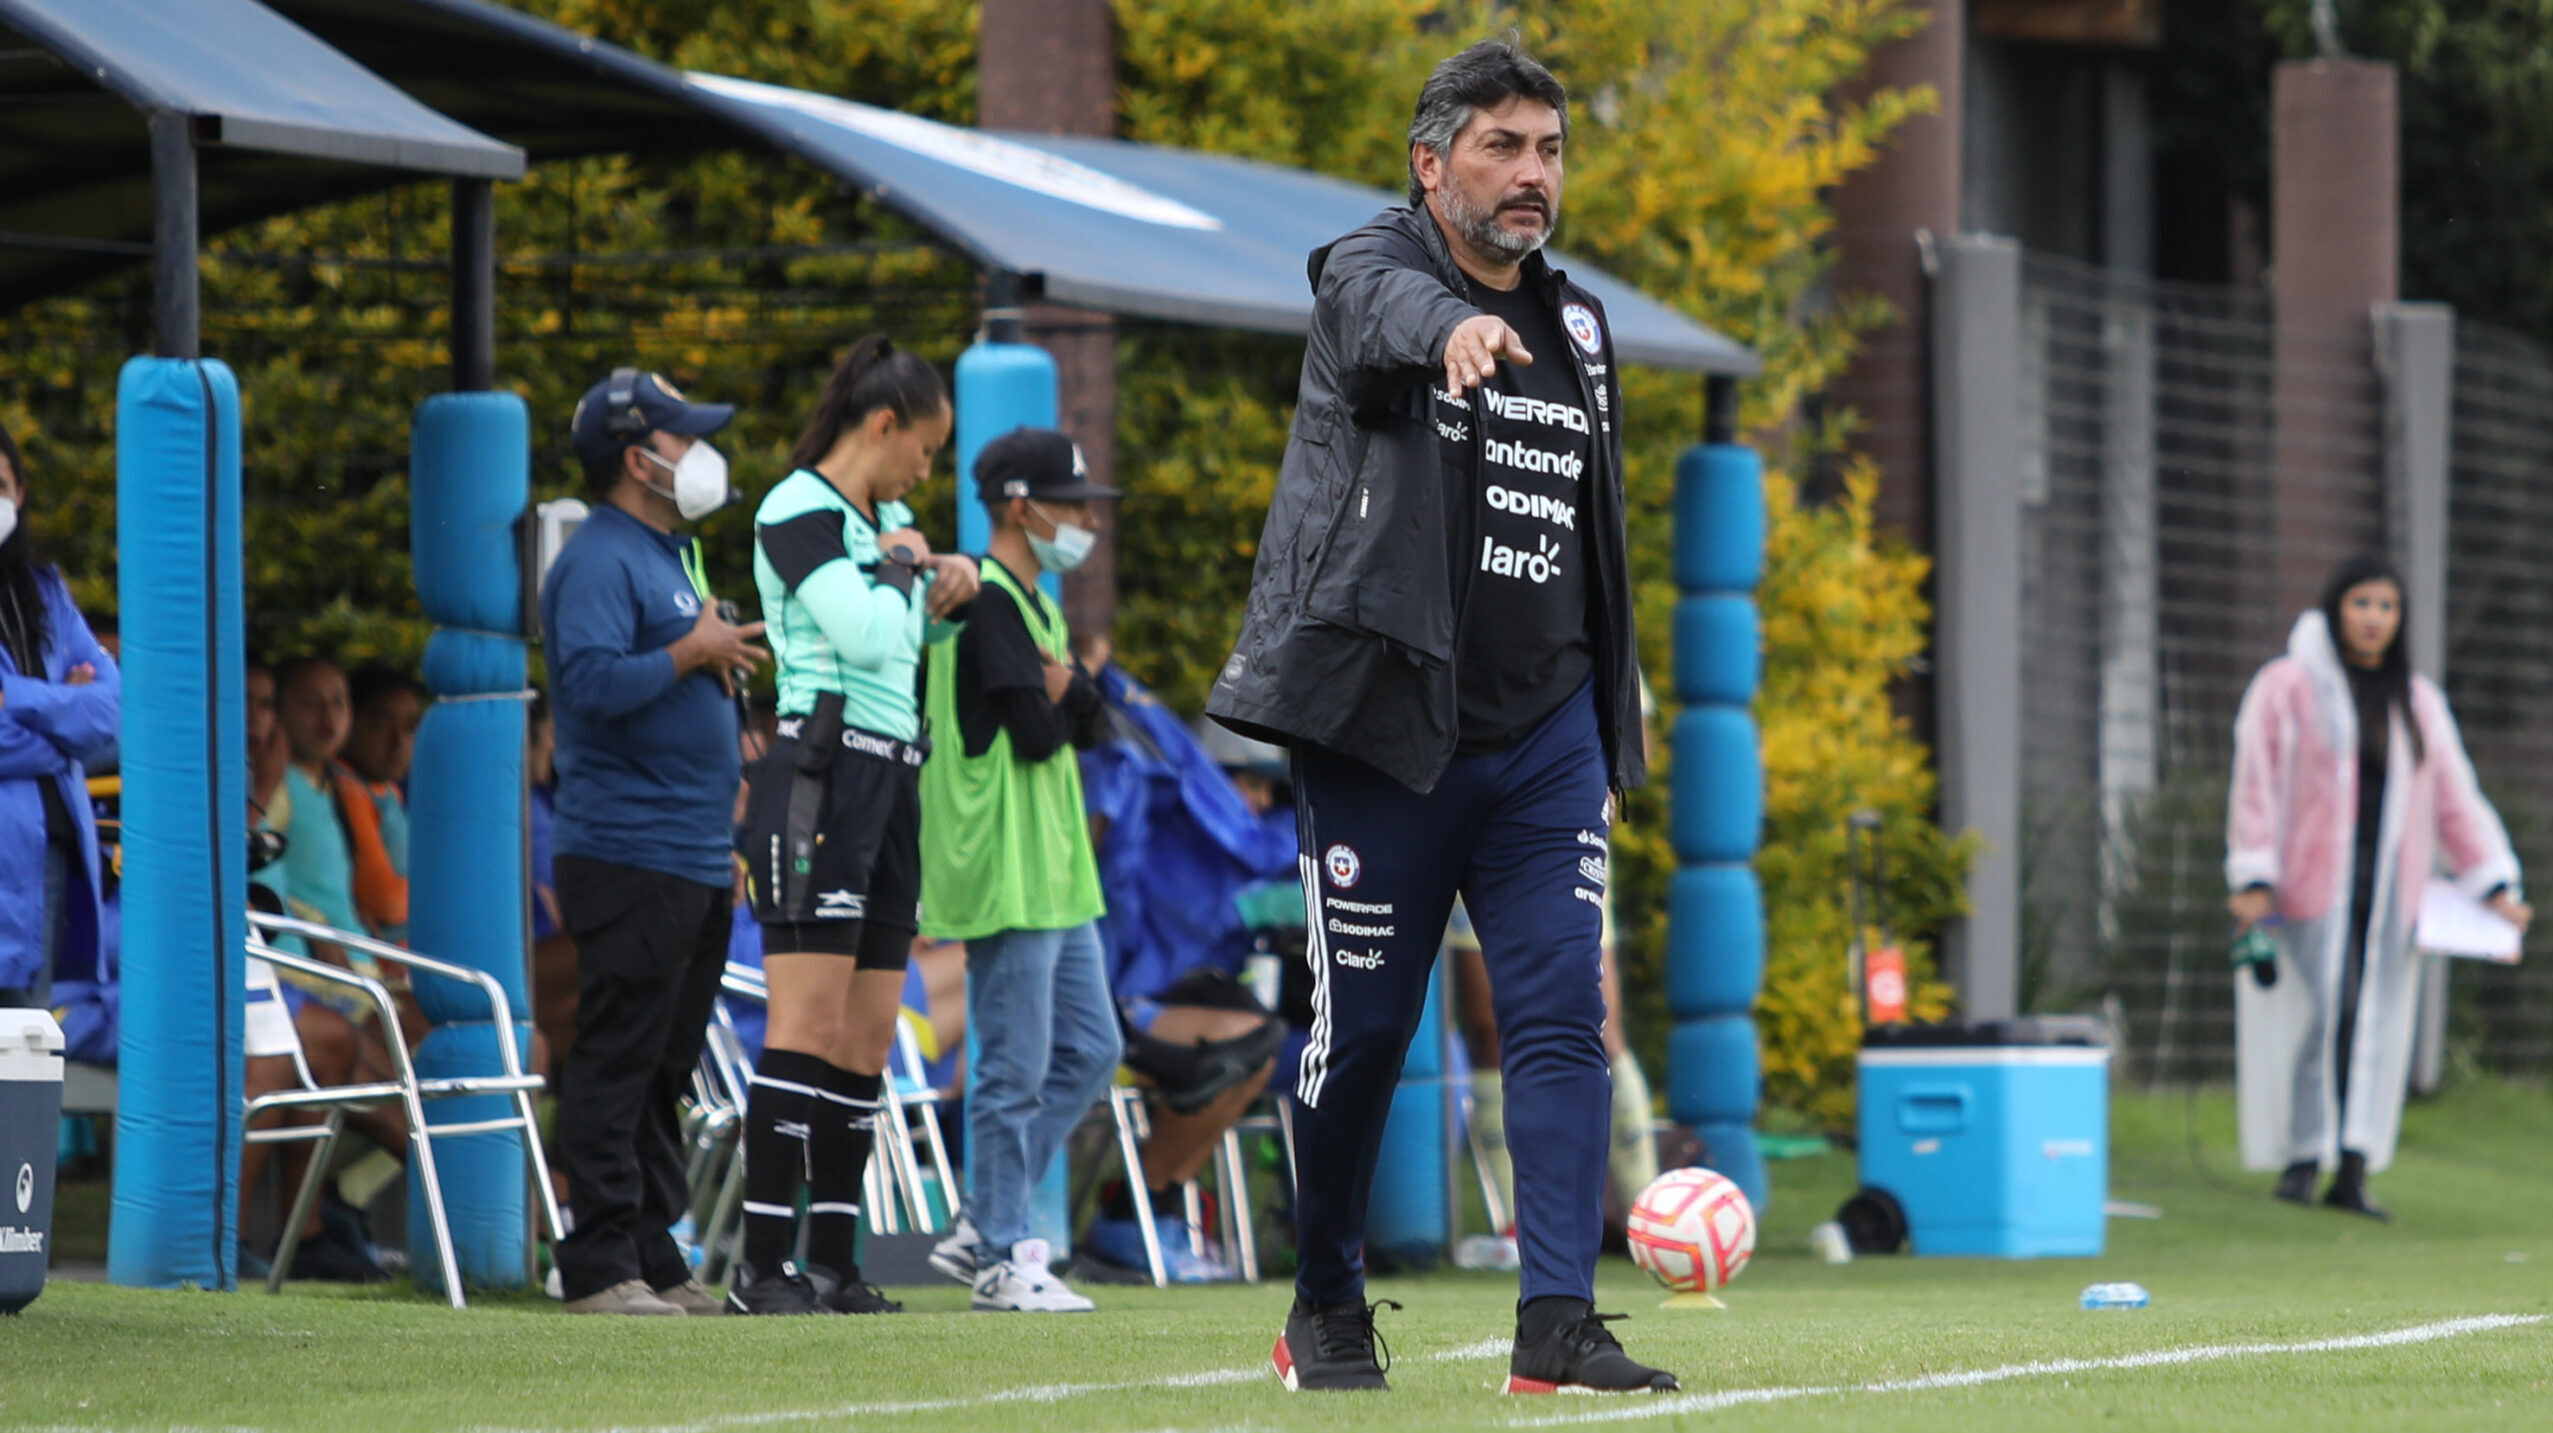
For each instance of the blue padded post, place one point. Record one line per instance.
(468, 884)
(1405, 1216)
(1000, 386)
(1715, 908)
(184, 755)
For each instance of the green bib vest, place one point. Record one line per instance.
(1005, 843)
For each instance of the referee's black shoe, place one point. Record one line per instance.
(1332, 1348)
(785, 1290)
(849, 1296)
(1563, 1346)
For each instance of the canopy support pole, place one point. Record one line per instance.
(473, 285)
(175, 312)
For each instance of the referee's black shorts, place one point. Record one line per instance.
(860, 895)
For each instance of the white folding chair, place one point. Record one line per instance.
(404, 1085)
(713, 1132)
(1238, 1235)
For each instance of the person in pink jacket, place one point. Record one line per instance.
(2351, 788)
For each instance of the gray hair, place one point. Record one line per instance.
(1483, 77)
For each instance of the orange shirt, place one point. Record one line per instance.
(381, 893)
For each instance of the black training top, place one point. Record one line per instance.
(1001, 685)
(1522, 646)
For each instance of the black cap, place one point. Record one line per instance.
(1035, 463)
(624, 408)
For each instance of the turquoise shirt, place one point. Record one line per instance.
(837, 622)
(317, 863)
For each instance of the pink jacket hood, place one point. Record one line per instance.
(2292, 818)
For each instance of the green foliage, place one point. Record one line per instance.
(2476, 96)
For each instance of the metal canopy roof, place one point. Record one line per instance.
(281, 121)
(1129, 228)
(1132, 229)
(1139, 229)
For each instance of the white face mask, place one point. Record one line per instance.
(1067, 549)
(700, 480)
(8, 517)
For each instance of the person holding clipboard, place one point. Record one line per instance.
(2350, 785)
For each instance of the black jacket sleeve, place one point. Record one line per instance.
(1386, 313)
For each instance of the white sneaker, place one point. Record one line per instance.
(1022, 1284)
(960, 1255)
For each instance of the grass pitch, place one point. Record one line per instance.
(2264, 1317)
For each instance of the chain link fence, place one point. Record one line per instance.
(2500, 661)
(2195, 461)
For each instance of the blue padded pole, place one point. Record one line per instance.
(468, 888)
(1002, 384)
(184, 755)
(1715, 909)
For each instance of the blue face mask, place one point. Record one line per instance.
(1067, 549)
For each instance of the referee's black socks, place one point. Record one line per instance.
(837, 1163)
(785, 1107)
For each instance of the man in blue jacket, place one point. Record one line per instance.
(641, 670)
(1439, 626)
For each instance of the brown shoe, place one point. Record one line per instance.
(692, 1297)
(629, 1296)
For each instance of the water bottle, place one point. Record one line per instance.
(2116, 1296)
(1487, 1251)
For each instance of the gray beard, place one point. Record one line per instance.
(1482, 230)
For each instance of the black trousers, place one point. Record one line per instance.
(649, 951)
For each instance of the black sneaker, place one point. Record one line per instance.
(1563, 1346)
(849, 1296)
(1333, 1348)
(2350, 1196)
(2296, 1182)
(786, 1291)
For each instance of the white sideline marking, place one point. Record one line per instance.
(2159, 1358)
(1037, 1393)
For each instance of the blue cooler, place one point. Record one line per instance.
(30, 1134)
(1993, 1138)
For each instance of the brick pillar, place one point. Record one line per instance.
(2333, 212)
(1914, 186)
(1050, 67)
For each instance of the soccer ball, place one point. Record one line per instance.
(1692, 1230)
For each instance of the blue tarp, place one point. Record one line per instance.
(1180, 846)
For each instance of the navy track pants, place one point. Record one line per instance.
(1520, 833)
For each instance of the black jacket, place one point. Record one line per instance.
(1348, 641)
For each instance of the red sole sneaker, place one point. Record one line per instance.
(1516, 1384)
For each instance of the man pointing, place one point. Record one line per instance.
(1439, 626)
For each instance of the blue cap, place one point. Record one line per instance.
(624, 408)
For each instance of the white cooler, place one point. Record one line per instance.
(30, 1132)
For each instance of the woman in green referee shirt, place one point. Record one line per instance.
(851, 593)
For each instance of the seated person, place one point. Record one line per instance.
(372, 781)
(294, 793)
(1178, 842)
(280, 1015)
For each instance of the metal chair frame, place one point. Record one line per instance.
(1239, 1235)
(405, 1086)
